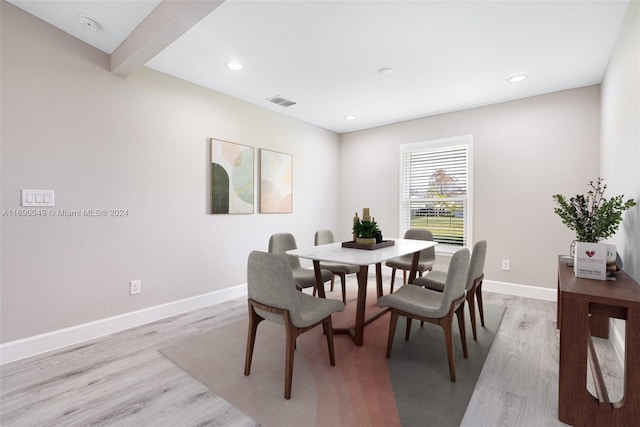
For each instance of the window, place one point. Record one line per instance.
(435, 189)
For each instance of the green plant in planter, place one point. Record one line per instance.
(591, 215)
(365, 229)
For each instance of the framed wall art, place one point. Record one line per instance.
(232, 180)
(276, 182)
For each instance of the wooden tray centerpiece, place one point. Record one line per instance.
(366, 234)
(368, 246)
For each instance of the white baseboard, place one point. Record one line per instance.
(527, 291)
(618, 343)
(38, 344)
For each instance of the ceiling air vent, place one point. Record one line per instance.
(283, 102)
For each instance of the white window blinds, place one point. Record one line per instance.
(435, 189)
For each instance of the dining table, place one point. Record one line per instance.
(362, 257)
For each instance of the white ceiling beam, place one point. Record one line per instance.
(168, 21)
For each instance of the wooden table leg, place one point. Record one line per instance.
(357, 331)
(379, 279)
(576, 405)
(631, 399)
(414, 267)
(574, 333)
(361, 303)
(319, 282)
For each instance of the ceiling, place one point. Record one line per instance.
(325, 55)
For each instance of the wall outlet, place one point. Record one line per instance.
(506, 265)
(135, 287)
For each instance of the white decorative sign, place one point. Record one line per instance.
(591, 260)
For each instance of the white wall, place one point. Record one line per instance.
(141, 143)
(620, 135)
(524, 152)
(620, 143)
(138, 143)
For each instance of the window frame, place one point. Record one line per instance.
(437, 144)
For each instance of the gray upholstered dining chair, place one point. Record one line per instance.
(427, 256)
(416, 302)
(272, 295)
(323, 237)
(436, 281)
(280, 243)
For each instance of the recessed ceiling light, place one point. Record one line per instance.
(89, 24)
(235, 66)
(350, 117)
(385, 71)
(517, 78)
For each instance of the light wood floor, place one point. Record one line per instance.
(122, 380)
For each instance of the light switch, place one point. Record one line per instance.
(38, 198)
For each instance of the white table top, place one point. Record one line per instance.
(334, 252)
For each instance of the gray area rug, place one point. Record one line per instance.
(412, 388)
(427, 397)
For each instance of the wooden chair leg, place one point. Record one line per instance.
(479, 298)
(329, 328)
(393, 278)
(462, 327)
(288, 364)
(392, 331)
(448, 342)
(472, 313)
(407, 331)
(422, 321)
(254, 319)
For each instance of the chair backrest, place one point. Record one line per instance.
(324, 237)
(428, 254)
(270, 282)
(476, 265)
(456, 277)
(280, 243)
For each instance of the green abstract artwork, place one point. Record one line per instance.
(232, 178)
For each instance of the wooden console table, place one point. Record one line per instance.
(578, 301)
